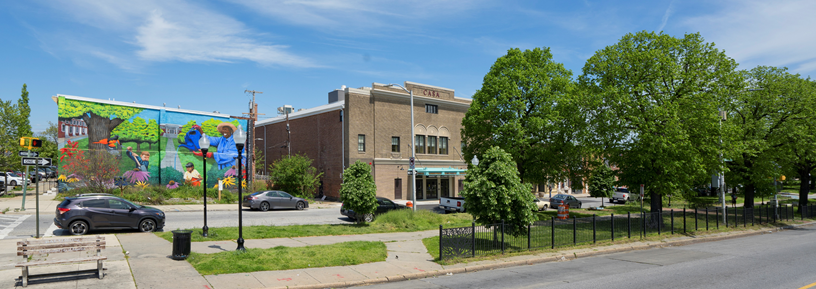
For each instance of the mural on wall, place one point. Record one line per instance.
(143, 145)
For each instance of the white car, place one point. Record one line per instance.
(13, 180)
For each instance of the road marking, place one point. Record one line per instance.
(5, 231)
(50, 231)
(809, 286)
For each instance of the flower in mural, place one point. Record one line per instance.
(136, 175)
(230, 181)
(69, 150)
(142, 185)
(243, 184)
(172, 185)
(230, 173)
(62, 178)
(73, 180)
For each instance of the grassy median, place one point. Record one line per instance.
(287, 258)
(391, 222)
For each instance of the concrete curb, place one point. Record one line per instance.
(505, 264)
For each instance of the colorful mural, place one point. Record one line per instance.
(127, 144)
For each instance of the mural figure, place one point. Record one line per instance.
(226, 153)
(191, 138)
(191, 175)
(142, 161)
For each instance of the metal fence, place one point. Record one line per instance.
(491, 239)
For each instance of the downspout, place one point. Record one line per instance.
(266, 161)
(343, 137)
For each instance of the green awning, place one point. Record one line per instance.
(440, 171)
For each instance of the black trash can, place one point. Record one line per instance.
(181, 244)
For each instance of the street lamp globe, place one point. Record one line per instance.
(240, 138)
(204, 143)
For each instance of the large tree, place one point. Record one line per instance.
(9, 120)
(358, 192)
(527, 107)
(24, 126)
(101, 118)
(764, 119)
(655, 102)
(494, 193)
(602, 182)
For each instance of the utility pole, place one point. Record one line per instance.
(288, 134)
(253, 117)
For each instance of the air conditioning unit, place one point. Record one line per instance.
(285, 109)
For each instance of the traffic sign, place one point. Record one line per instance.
(411, 163)
(29, 154)
(36, 161)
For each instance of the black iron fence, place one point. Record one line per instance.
(491, 239)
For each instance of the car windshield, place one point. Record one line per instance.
(560, 196)
(285, 195)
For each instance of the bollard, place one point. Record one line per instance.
(612, 219)
(706, 218)
(441, 253)
(574, 237)
(684, 220)
(502, 236)
(659, 221)
(695, 220)
(672, 221)
(717, 216)
(552, 233)
(472, 238)
(629, 225)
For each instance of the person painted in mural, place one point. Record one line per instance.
(227, 152)
(191, 175)
(142, 161)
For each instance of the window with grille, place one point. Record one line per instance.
(395, 147)
(361, 143)
(419, 144)
(443, 145)
(432, 145)
(430, 108)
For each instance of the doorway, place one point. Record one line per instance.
(431, 189)
(444, 186)
(398, 189)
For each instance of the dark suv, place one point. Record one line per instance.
(82, 213)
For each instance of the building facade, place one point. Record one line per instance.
(373, 125)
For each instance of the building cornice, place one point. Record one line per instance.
(421, 163)
(338, 105)
(431, 100)
(427, 85)
(129, 104)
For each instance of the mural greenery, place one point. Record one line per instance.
(142, 146)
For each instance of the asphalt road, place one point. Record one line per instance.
(780, 260)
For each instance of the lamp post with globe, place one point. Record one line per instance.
(204, 145)
(240, 138)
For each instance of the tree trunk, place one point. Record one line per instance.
(656, 202)
(139, 147)
(99, 128)
(749, 195)
(804, 180)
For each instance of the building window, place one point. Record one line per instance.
(430, 108)
(432, 145)
(419, 144)
(395, 144)
(361, 143)
(443, 145)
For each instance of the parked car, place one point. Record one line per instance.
(383, 205)
(541, 205)
(452, 204)
(2, 187)
(266, 200)
(82, 213)
(623, 195)
(13, 179)
(560, 199)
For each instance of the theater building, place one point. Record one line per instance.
(373, 125)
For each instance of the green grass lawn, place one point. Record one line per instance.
(287, 258)
(391, 222)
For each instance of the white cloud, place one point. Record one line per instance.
(161, 31)
(775, 33)
(666, 16)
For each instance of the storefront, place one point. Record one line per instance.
(433, 183)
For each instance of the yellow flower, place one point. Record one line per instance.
(72, 180)
(62, 178)
(243, 184)
(230, 181)
(141, 184)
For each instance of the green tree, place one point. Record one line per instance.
(9, 141)
(100, 118)
(260, 160)
(763, 119)
(296, 175)
(602, 182)
(24, 128)
(358, 192)
(49, 137)
(184, 129)
(527, 106)
(51, 133)
(494, 192)
(654, 100)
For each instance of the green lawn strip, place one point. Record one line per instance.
(287, 258)
(542, 236)
(391, 222)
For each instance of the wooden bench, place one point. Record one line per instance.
(49, 246)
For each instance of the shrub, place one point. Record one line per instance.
(295, 175)
(358, 191)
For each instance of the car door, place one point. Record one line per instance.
(573, 202)
(287, 200)
(385, 205)
(276, 200)
(98, 211)
(121, 214)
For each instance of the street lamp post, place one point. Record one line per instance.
(413, 148)
(240, 139)
(204, 145)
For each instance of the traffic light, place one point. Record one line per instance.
(30, 142)
(36, 143)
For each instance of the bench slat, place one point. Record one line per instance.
(60, 240)
(62, 245)
(75, 260)
(58, 250)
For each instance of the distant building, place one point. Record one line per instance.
(72, 127)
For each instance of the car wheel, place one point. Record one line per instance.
(13, 184)
(78, 227)
(368, 218)
(264, 207)
(300, 206)
(147, 225)
(579, 206)
(545, 208)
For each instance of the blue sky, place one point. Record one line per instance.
(202, 55)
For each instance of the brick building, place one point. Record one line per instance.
(72, 127)
(372, 124)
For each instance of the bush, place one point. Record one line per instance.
(296, 175)
(409, 220)
(358, 191)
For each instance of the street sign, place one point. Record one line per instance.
(36, 161)
(411, 163)
(641, 191)
(29, 154)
